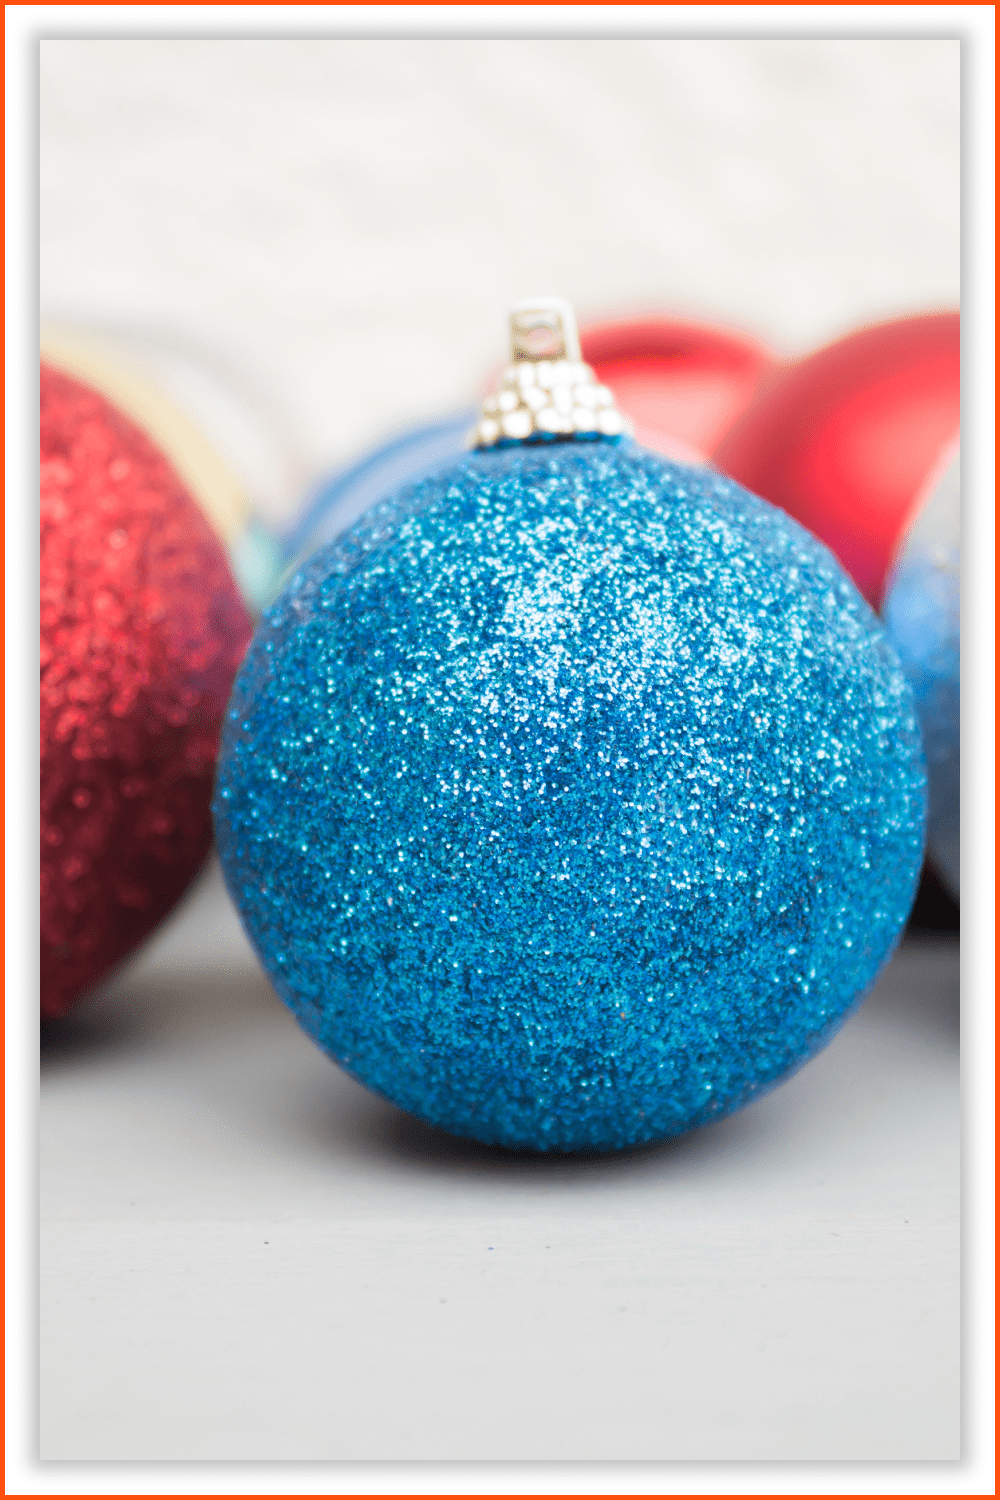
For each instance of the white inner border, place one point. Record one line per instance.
(974, 26)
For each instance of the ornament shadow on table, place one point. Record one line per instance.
(377, 1130)
(682, 384)
(571, 798)
(142, 629)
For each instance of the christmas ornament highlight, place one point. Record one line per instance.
(142, 628)
(573, 797)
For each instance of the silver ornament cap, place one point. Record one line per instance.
(547, 392)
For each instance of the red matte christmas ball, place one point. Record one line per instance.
(142, 629)
(682, 384)
(846, 439)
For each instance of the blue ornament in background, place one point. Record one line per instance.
(572, 798)
(921, 613)
(342, 497)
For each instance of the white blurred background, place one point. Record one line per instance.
(339, 226)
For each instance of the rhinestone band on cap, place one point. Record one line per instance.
(547, 391)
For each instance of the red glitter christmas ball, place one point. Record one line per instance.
(846, 439)
(142, 629)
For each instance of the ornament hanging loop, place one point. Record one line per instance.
(543, 328)
(547, 392)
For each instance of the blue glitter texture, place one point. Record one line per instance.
(572, 798)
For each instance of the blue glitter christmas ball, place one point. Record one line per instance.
(572, 798)
(922, 617)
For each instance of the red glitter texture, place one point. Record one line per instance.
(142, 629)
